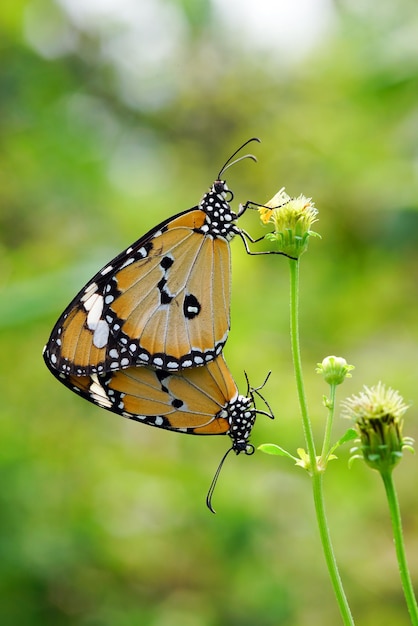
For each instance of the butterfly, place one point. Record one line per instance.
(162, 302)
(198, 401)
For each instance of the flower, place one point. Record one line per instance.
(292, 219)
(334, 369)
(266, 211)
(378, 415)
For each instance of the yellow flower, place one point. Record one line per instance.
(292, 219)
(276, 202)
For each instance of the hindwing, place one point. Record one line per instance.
(200, 401)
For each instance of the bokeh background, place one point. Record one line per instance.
(114, 115)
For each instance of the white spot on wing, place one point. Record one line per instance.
(127, 262)
(94, 305)
(90, 290)
(101, 334)
(98, 393)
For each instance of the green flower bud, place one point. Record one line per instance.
(334, 369)
(377, 412)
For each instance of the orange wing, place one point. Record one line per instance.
(163, 302)
(199, 401)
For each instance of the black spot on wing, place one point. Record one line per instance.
(165, 296)
(191, 306)
(161, 376)
(166, 262)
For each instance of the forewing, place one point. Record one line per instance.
(157, 303)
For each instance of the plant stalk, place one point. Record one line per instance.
(317, 484)
(395, 515)
(328, 428)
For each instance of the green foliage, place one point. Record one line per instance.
(104, 522)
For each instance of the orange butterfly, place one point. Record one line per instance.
(162, 302)
(197, 401)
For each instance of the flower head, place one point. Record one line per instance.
(292, 219)
(334, 369)
(378, 415)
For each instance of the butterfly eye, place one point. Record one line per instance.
(219, 187)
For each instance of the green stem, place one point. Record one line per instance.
(317, 483)
(318, 493)
(328, 427)
(395, 515)
(297, 362)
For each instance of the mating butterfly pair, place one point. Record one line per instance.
(144, 337)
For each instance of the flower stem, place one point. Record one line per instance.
(297, 362)
(318, 493)
(399, 546)
(328, 428)
(317, 483)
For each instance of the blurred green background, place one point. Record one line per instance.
(114, 116)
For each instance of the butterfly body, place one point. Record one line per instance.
(163, 302)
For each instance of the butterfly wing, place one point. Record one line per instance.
(164, 302)
(193, 401)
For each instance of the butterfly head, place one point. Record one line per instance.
(220, 189)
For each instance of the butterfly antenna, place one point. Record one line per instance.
(228, 163)
(256, 390)
(214, 481)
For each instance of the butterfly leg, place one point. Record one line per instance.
(244, 236)
(256, 390)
